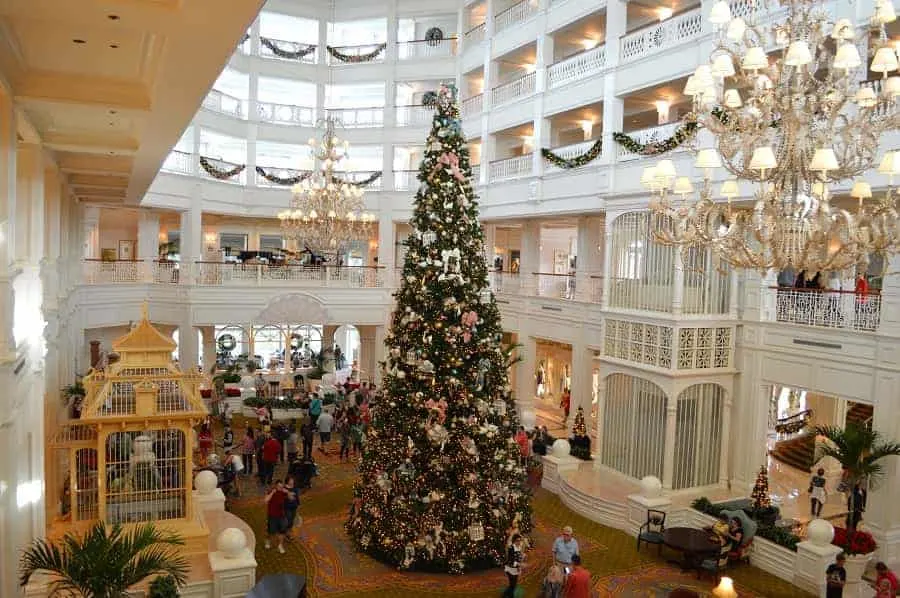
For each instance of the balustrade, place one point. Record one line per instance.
(558, 286)
(506, 283)
(180, 162)
(359, 117)
(472, 106)
(223, 103)
(233, 274)
(475, 35)
(511, 168)
(414, 115)
(649, 135)
(356, 176)
(514, 90)
(404, 180)
(427, 48)
(476, 173)
(96, 271)
(567, 152)
(661, 36)
(286, 114)
(515, 14)
(575, 68)
(827, 308)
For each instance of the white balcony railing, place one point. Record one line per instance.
(511, 168)
(657, 133)
(359, 117)
(432, 48)
(567, 152)
(827, 308)
(286, 114)
(410, 116)
(356, 176)
(559, 286)
(475, 35)
(231, 274)
(661, 36)
(112, 272)
(507, 283)
(223, 103)
(284, 50)
(472, 106)
(476, 173)
(515, 14)
(578, 67)
(404, 180)
(180, 162)
(283, 173)
(514, 90)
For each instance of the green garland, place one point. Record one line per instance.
(278, 180)
(273, 47)
(219, 173)
(580, 160)
(682, 134)
(351, 58)
(363, 183)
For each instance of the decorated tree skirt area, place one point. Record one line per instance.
(325, 554)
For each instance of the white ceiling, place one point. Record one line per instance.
(109, 85)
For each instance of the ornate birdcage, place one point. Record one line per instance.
(129, 456)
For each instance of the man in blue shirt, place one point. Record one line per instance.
(565, 547)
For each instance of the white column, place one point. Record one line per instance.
(590, 255)
(525, 378)
(148, 236)
(209, 346)
(490, 236)
(597, 449)
(613, 106)
(582, 372)
(678, 282)
(669, 456)
(530, 258)
(882, 516)
(386, 243)
(542, 132)
(188, 350)
(607, 260)
(378, 349)
(90, 226)
(191, 232)
(7, 238)
(367, 351)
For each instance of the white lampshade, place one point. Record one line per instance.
(683, 186)
(890, 164)
(690, 88)
(755, 59)
(703, 76)
(708, 158)
(891, 87)
(843, 29)
(763, 158)
(861, 190)
(665, 169)
(865, 97)
(729, 189)
(732, 98)
(847, 57)
(722, 66)
(884, 12)
(824, 160)
(725, 589)
(720, 13)
(798, 54)
(648, 177)
(736, 29)
(763, 82)
(885, 60)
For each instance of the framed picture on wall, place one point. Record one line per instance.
(108, 254)
(126, 250)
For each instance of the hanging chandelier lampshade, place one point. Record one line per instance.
(327, 210)
(792, 123)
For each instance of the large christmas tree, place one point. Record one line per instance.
(440, 485)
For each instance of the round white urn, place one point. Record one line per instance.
(231, 542)
(205, 482)
(819, 532)
(561, 448)
(651, 487)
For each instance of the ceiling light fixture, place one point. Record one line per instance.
(664, 12)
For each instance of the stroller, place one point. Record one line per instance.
(303, 471)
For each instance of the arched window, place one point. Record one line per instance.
(698, 436)
(634, 426)
(642, 270)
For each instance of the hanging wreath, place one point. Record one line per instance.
(221, 173)
(580, 160)
(434, 36)
(301, 51)
(352, 58)
(652, 148)
(366, 181)
(227, 343)
(280, 180)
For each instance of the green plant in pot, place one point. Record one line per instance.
(75, 390)
(104, 562)
(164, 586)
(229, 376)
(318, 365)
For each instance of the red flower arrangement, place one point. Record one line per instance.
(232, 392)
(206, 393)
(854, 543)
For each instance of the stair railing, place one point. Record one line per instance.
(793, 423)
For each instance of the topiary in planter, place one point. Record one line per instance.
(164, 587)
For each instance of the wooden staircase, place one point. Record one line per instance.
(859, 413)
(798, 452)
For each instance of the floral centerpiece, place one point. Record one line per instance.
(853, 543)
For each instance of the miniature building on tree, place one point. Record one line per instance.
(129, 457)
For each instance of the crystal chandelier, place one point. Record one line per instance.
(326, 210)
(791, 126)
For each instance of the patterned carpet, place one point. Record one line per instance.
(323, 553)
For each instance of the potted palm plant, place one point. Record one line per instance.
(860, 450)
(104, 562)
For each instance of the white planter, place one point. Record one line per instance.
(248, 412)
(288, 414)
(775, 559)
(855, 565)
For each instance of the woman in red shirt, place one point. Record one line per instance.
(886, 584)
(276, 515)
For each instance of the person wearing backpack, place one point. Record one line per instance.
(315, 408)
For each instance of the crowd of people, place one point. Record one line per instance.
(567, 578)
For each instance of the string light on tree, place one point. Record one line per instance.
(581, 442)
(760, 495)
(440, 485)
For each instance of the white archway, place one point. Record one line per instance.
(296, 307)
(634, 426)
